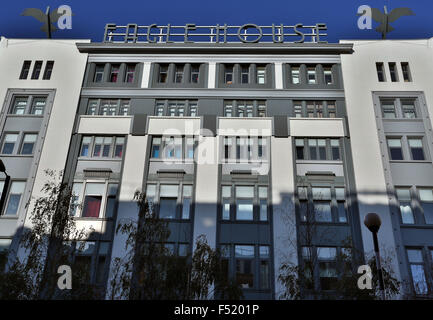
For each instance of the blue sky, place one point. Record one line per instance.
(90, 16)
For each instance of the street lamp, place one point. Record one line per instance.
(5, 186)
(372, 222)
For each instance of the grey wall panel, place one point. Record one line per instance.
(396, 126)
(412, 173)
(417, 236)
(142, 106)
(281, 126)
(155, 166)
(180, 232)
(210, 107)
(243, 233)
(279, 107)
(209, 125)
(18, 167)
(115, 166)
(23, 123)
(139, 125)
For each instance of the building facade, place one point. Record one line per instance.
(245, 143)
(40, 90)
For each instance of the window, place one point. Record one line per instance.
(25, 70)
(156, 147)
(380, 72)
(48, 70)
(247, 108)
(111, 200)
(300, 150)
(15, 194)
(108, 107)
(178, 76)
(327, 72)
(104, 107)
(168, 201)
(322, 204)
(314, 109)
(393, 71)
(175, 200)
(408, 109)
(228, 110)
(38, 106)
(416, 264)
(130, 72)
(228, 74)
(28, 144)
(406, 72)
(312, 145)
(335, 149)
(295, 75)
(186, 203)
(124, 107)
(264, 267)
(19, 105)
(37, 70)
(244, 266)
(245, 74)
(404, 199)
(244, 202)
(327, 259)
(416, 149)
(388, 110)
(261, 75)
(163, 73)
(297, 107)
(118, 147)
(226, 198)
(321, 143)
(195, 71)
(114, 73)
(426, 199)
(261, 151)
(93, 199)
(177, 108)
(311, 75)
(99, 73)
(263, 203)
(331, 109)
(395, 150)
(99, 199)
(9, 141)
(171, 147)
(102, 147)
(90, 259)
(341, 206)
(189, 148)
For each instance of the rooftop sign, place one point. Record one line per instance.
(190, 33)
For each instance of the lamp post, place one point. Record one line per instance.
(5, 186)
(372, 222)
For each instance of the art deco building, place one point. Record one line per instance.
(245, 143)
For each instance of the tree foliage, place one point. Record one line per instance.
(150, 271)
